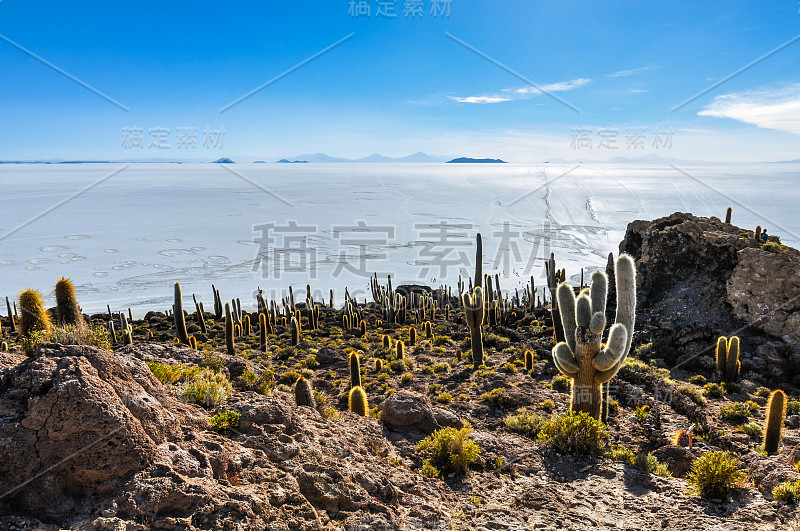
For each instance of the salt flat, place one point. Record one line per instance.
(125, 239)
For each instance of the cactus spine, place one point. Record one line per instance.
(34, 316)
(355, 370)
(303, 394)
(357, 401)
(67, 309)
(727, 354)
(584, 321)
(473, 307)
(229, 330)
(180, 320)
(773, 424)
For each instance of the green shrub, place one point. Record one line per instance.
(561, 383)
(713, 390)
(788, 491)
(774, 247)
(762, 392)
(444, 398)
(738, 411)
(406, 378)
(577, 433)
(80, 334)
(547, 404)
(792, 407)
(649, 463)
(714, 474)
(525, 423)
(620, 454)
(752, 429)
(496, 397)
(224, 420)
(692, 392)
(448, 451)
(642, 412)
(170, 374)
(698, 379)
(208, 388)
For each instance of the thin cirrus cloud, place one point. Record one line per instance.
(775, 108)
(523, 93)
(626, 73)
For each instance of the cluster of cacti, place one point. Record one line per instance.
(67, 310)
(581, 357)
(773, 422)
(727, 355)
(180, 320)
(304, 394)
(357, 401)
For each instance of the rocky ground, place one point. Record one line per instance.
(91, 439)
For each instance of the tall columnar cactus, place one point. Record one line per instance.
(757, 233)
(193, 342)
(180, 320)
(246, 325)
(303, 394)
(262, 332)
(581, 357)
(355, 370)
(728, 214)
(773, 423)
(727, 354)
(412, 336)
(473, 307)
(478, 260)
(357, 401)
(67, 309)
(362, 328)
(34, 316)
(553, 278)
(11, 324)
(295, 332)
(400, 350)
(198, 308)
(229, 330)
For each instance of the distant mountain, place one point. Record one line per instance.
(375, 157)
(795, 161)
(284, 161)
(467, 160)
(223, 160)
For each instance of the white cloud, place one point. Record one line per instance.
(510, 94)
(769, 108)
(626, 73)
(479, 99)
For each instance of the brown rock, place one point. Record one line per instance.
(408, 411)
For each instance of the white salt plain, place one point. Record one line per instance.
(127, 238)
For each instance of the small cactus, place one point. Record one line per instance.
(357, 401)
(229, 342)
(355, 370)
(3, 347)
(193, 342)
(362, 326)
(459, 354)
(387, 342)
(180, 320)
(401, 350)
(412, 336)
(728, 214)
(378, 365)
(246, 325)
(303, 394)
(773, 424)
(727, 355)
(262, 331)
(67, 309)
(528, 361)
(34, 316)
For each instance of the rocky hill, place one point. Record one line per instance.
(116, 438)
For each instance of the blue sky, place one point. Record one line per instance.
(401, 84)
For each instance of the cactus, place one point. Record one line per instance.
(459, 354)
(528, 361)
(727, 354)
(34, 316)
(217, 303)
(246, 325)
(728, 214)
(3, 347)
(11, 325)
(303, 394)
(428, 329)
(357, 401)
(127, 337)
(238, 329)
(193, 342)
(198, 307)
(180, 320)
(553, 278)
(412, 336)
(473, 307)
(355, 370)
(378, 365)
(478, 260)
(757, 233)
(401, 350)
(112, 332)
(362, 326)
(773, 424)
(67, 309)
(295, 332)
(583, 319)
(262, 332)
(229, 330)
(387, 342)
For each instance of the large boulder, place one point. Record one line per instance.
(407, 411)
